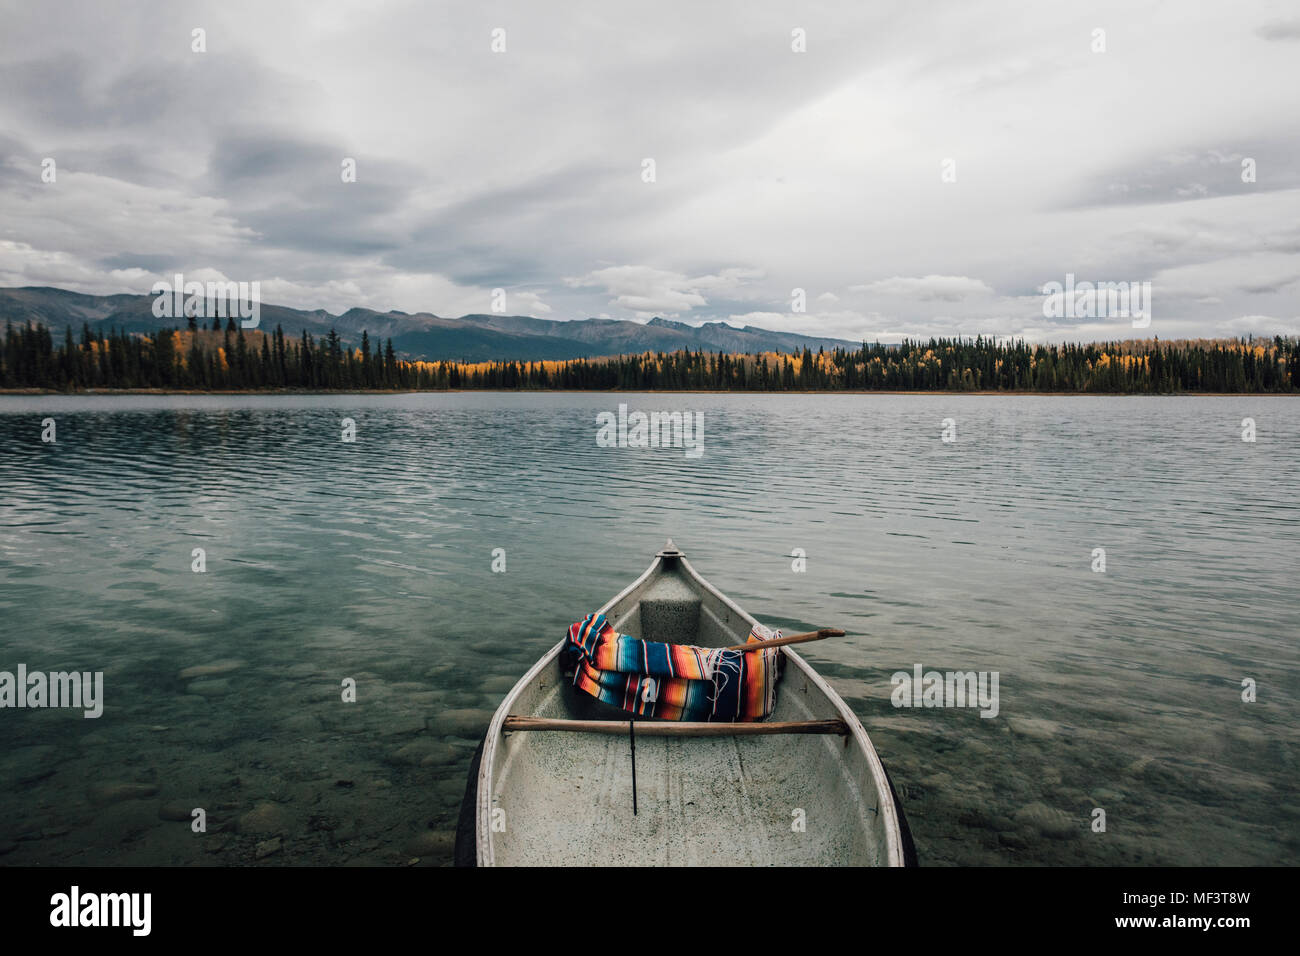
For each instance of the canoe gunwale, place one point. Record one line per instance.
(892, 851)
(483, 832)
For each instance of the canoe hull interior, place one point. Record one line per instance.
(557, 798)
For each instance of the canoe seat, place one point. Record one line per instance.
(670, 612)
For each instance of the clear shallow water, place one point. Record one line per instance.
(372, 560)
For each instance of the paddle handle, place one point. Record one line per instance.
(819, 635)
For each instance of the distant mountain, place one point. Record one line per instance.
(421, 335)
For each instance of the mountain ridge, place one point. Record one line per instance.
(421, 335)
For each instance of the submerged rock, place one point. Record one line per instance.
(176, 810)
(103, 794)
(268, 848)
(497, 686)
(25, 765)
(1035, 728)
(1139, 766)
(1049, 821)
(432, 844)
(214, 687)
(460, 698)
(303, 724)
(265, 818)
(1015, 839)
(450, 791)
(426, 753)
(981, 818)
(400, 726)
(463, 722)
(211, 670)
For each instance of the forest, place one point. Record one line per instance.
(232, 359)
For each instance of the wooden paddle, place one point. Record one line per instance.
(820, 635)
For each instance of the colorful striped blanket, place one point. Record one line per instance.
(673, 681)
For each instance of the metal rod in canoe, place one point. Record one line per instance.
(682, 728)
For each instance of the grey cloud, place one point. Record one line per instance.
(53, 89)
(254, 162)
(1280, 30)
(1269, 288)
(125, 161)
(290, 191)
(1202, 173)
(158, 262)
(171, 97)
(475, 265)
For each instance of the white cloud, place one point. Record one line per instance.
(1265, 325)
(529, 302)
(927, 288)
(648, 292)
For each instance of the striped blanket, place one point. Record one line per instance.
(673, 681)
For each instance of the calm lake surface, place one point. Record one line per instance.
(372, 560)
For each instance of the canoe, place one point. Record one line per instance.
(565, 798)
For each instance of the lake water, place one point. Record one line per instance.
(372, 560)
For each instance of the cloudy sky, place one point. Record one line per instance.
(525, 170)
